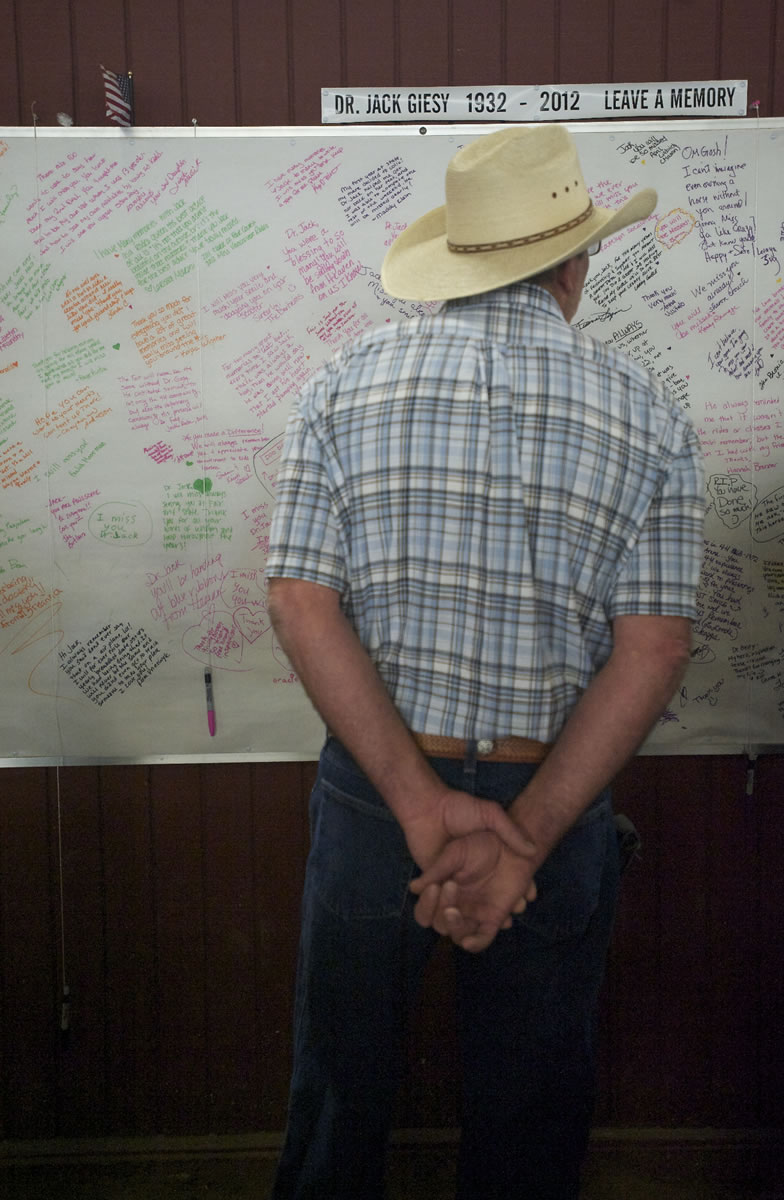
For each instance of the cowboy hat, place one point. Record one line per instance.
(516, 204)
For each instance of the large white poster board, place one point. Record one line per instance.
(164, 294)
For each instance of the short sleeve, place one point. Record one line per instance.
(307, 537)
(659, 576)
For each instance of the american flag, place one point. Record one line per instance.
(118, 90)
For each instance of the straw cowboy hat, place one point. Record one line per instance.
(516, 204)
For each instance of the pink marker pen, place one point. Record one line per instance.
(210, 705)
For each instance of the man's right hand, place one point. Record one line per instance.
(473, 887)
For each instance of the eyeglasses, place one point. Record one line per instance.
(594, 248)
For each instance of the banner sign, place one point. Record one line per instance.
(557, 102)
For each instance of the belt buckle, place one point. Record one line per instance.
(485, 746)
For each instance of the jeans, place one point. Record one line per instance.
(526, 1005)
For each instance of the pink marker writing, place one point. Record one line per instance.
(210, 704)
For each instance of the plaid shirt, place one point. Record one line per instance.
(487, 488)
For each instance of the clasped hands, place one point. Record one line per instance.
(477, 868)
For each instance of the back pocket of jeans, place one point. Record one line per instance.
(359, 861)
(569, 881)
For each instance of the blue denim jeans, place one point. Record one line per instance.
(526, 1005)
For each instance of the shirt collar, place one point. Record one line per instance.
(511, 302)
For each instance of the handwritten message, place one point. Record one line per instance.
(322, 258)
(29, 285)
(78, 411)
(269, 372)
(93, 298)
(191, 516)
(311, 174)
(23, 597)
(167, 248)
(167, 398)
(69, 512)
(115, 658)
(372, 196)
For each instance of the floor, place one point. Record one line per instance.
(419, 1174)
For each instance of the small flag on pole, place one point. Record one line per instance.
(118, 90)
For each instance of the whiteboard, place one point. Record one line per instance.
(163, 296)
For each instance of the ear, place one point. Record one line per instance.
(571, 274)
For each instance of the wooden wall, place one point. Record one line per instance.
(263, 62)
(166, 897)
(174, 920)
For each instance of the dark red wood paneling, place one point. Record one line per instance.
(531, 45)
(46, 71)
(370, 44)
(131, 959)
(10, 89)
(100, 39)
(767, 983)
(82, 1096)
(423, 37)
(155, 56)
(584, 42)
(478, 33)
(230, 886)
(776, 56)
(29, 953)
(744, 48)
(317, 49)
(208, 49)
(280, 841)
(692, 50)
(733, 945)
(638, 42)
(263, 64)
(178, 882)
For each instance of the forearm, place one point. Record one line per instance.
(346, 690)
(606, 728)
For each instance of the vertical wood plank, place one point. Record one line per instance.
(731, 994)
(584, 46)
(638, 42)
(262, 64)
(769, 939)
(423, 43)
(634, 1024)
(10, 97)
(530, 48)
(477, 42)
(82, 1083)
(46, 74)
(280, 845)
(317, 55)
(178, 864)
(745, 47)
(230, 885)
(99, 39)
(370, 40)
(29, 978)
(692, 40)
(155, 57)
(132, 1035)
(209, 92)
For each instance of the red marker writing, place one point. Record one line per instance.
(210, 704)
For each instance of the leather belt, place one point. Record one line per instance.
(506, 749)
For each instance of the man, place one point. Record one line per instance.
(483, 567)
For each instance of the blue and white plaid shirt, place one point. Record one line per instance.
(487, 488)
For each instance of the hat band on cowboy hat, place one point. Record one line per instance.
(516, 204)
(528, 240)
